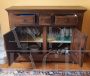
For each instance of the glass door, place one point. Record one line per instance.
(59, 38)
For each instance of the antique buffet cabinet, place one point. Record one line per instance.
(39, 30)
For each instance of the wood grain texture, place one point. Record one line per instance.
(46, 8)
(46, 15)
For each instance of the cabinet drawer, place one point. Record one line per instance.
(44, 20)
(66, 20)
(23, 19)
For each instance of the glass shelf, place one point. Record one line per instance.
(62, 41)
(53, 40)
(38, 39)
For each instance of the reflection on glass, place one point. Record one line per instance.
(59, 34)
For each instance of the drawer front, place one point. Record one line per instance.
(23, 19)
(66, 20)
(44, 20)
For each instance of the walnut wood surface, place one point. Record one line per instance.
(46, 8)
(44, 16)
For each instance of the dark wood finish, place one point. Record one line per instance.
(47, 15)
(23, 19)
(68, 20)
(77, 8)
(44, 16)
(78, 43)
(78, 40)
(44, 38)
(45, 20)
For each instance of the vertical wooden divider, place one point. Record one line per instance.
(44, 39)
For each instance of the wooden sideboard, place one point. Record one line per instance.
(41, 29)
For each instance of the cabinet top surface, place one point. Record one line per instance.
(46, 8)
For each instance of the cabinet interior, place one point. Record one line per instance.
(28, 38)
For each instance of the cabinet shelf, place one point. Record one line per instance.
(38, 39)
(61, 41)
